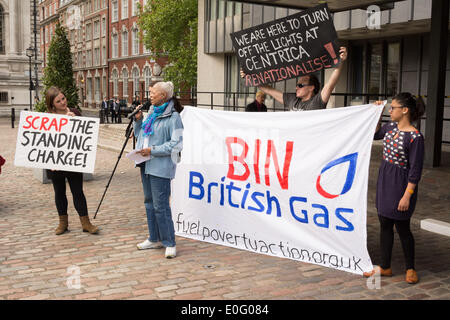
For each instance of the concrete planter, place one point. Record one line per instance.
(41, 175)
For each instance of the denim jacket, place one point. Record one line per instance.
(165, 143)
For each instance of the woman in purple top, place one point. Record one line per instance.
(399, 174)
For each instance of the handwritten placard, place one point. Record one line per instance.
(58, 142)
(289, 47)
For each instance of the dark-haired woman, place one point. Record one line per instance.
(399, 174)
(57, 103)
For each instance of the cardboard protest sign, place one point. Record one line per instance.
(52, 141)
(289, 47)
(286, 184)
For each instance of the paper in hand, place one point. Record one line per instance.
(136, 156)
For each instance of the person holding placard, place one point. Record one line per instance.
(56, 102)
(159, 136)
(308, 95)
(399, 174)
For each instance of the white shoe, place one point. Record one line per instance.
(149, 245)
(171, 252)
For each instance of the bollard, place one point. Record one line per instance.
(13, 117)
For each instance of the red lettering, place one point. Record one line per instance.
(248, 80)
(284, 180)
(324, 59)
(256, 161)
(240, 159)
(32, 123)
(43, 123)
(62, 123)
(54, 123)
(27, 119)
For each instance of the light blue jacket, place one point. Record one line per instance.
(166, 142)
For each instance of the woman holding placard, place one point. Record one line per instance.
(56, 102)
(399, 174)
(159, 137)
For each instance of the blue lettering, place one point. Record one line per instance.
(212, 184)
(350, 226)
(257, 202)
(231, 187)
(324, 215)
(269, 204)
(305, 213)
(244, 198)
(198, 185)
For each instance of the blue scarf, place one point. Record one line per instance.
(147, 126)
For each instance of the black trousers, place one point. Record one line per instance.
(387, 241)
(75, 180)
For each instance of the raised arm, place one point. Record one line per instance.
(331, 84)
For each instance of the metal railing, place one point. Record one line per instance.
(237, 101)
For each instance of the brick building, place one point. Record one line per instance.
(109, 58)
(131, 70)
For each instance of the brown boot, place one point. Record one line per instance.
(380, 271)
(411, 276)
(63, 224)
(87, 226)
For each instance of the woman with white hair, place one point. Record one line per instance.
(159, 136)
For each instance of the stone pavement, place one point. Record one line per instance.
(36, 264)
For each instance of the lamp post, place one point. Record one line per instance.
(82, 93)
(30, 53)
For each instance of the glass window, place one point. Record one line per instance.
(147, 76)
(125, 82)
(393, 68)
(375, 70)
(135, 40)
(115, 10)
(135, 82)
(230, 8)
(104, 86)
(88, 32)
(124, 9)
(357, 74)
(115, 45)
(115, 78)
(104, 27)
(97, 89)
(237, 8)
(125, 43)
(221, 9)
(89, 89)
(104, 55)
(212, 9)
(135, 10)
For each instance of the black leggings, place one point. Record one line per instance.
(75, 180)
(387, 241)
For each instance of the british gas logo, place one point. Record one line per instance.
(351, 159)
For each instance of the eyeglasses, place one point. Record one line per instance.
(391, 108)
(301, 85)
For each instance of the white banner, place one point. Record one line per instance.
(52, 141)
(286, 184)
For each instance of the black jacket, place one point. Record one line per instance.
(253, 108)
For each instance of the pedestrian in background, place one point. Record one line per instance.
(112, 109)
(56, 102)
(258, 104)
(398, 177)
(105, 109)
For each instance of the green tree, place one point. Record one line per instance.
(58, 71)
(170, 29)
